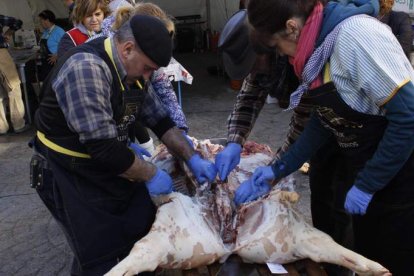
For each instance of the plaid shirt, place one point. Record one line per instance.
(83, 91)
(11, 22)
(250, 101)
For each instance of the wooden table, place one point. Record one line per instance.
(234, 266)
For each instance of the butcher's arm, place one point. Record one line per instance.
(156, 116)
(86, 106)
(312, 138)
(177, 144)
(250, 101)
(396, 146)
(203, 169)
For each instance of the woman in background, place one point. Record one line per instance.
(87, 18)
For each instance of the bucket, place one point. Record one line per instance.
(236, 84)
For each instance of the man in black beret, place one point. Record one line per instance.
(93, 184)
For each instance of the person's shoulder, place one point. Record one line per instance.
(60, 31)
(363, 29)
(361, 24)
(85, 58)
(66, 36)
(81, 62)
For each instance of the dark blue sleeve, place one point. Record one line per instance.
(396, 145)
(312, 138)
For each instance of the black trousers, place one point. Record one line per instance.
(385, 233)
(328, 184)
(101, 216)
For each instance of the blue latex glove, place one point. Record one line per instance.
(160, 183)
(357, 201)
(139, 151)
(228, 159)
(263, 175)
(248, 191)
(203, 170)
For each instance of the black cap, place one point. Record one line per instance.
(153, 38)
(236, 47)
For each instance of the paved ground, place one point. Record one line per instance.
(31, 242)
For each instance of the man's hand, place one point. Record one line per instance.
(203, 170)
(249, 191)
(52, 59)
(160, 183)
(228, 159)
(139, 151)
(357, 201)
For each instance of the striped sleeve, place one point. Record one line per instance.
(367, 57)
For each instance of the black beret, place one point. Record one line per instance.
(153, 38)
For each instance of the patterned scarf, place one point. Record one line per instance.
(314, 66)
(307, 39)
(332, 18)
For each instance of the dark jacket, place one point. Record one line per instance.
(400, 24)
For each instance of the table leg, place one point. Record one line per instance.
(26, 96)
(179, 93)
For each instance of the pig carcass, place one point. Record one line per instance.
(197, 230)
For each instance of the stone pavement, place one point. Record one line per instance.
(31, 242)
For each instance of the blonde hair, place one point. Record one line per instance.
(385, 6)
(85, 8)
(125, 13)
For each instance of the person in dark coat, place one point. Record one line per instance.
(97, 189)
(360, 83)
(400, 24)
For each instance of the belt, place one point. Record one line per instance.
(58, 148)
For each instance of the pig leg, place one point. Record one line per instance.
(146, 255)
(271, 231)
(322, 248)
(180, 238)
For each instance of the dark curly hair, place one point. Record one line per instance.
(270, 16)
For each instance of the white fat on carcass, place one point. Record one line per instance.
(188, 232)
(249, 163)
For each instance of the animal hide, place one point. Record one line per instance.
(200, 225)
